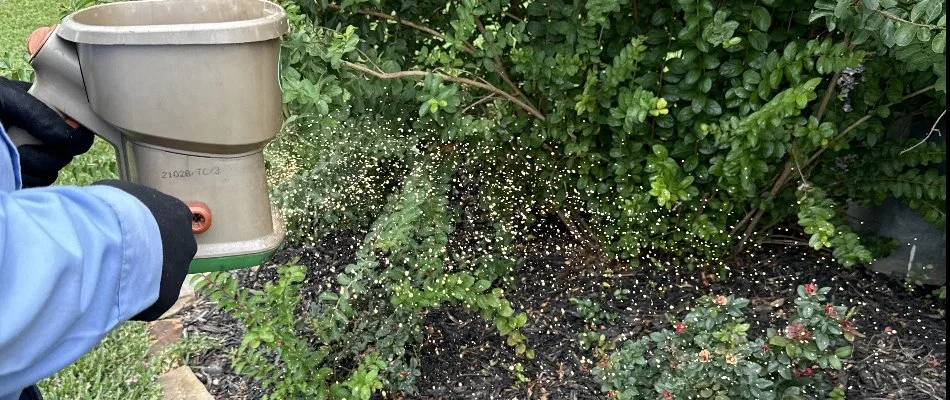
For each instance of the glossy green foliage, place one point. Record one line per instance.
(711, 354)
(664, 124)
(912, 32)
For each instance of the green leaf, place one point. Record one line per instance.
(934, 11)
(520, 320)
(661, 16)
(759, 40)
(834, 362)
(691, 163)
(905, 34)
(939, 42)
(751, 78)
(918, 10)
(807, 312)
(713, 108)
(481, 286)
(506, 311)
(706, 85)
(821, 340)
(871, 4)
(731, 69)
(791, 349)
(779, 341)
(791, 51)
(785, 372)
(761, 18)
(843, 352)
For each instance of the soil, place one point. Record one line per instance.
(902, 356)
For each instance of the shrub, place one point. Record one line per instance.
(651, 128)
(709, 354)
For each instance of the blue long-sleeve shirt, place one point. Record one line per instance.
(74, 263)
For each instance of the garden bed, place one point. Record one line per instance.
(902, 356)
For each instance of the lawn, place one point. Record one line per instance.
(20, 17)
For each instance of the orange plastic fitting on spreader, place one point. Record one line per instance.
(200, 217)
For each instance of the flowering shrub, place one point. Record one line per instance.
(708, 354)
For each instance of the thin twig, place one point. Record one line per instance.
(932, 130)
(896, 18)
(421, 74)
(779, 183)
(822, 108)
(746, 218)
(475, 104)
(862, 120)
(798, 167)
(468, 48)
(824, 100)
(501, 71)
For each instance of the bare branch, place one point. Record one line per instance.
(896, 18)
(861, 121)
(476, 103)
(500, 69)
(381, 15)
(828, 92)
(932, 130)
(421, 74)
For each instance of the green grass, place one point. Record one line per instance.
(120, 369)
(20, 18)
(116, 369)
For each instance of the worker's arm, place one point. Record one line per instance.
(75, 262)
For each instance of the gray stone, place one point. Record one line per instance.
(164, 333)
(182, 384)
(922, 255)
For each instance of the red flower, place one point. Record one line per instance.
(797, 373)
(810, 288)
(764, 348)
(831, 311)
(797, 331)
(720, 300)
(680, 327)
(807, 372)
(667, 394)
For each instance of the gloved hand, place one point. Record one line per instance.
(178, 242)
(40, 163)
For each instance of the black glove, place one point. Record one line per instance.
(178, 242)
(40, 163)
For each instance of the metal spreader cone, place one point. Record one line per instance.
(188, 92)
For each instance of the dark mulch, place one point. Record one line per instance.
(903, 355)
